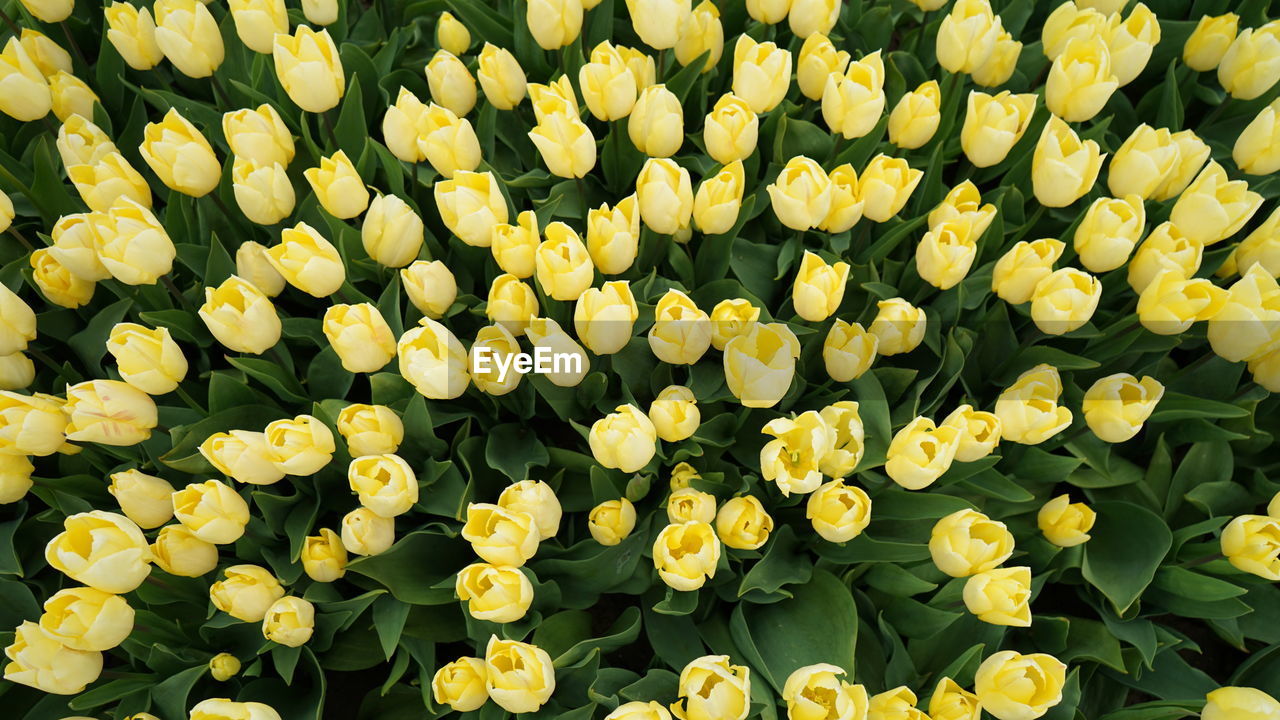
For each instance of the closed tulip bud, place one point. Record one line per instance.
(899, 702)
(952, 702)
(731, 318)
(6, 212)
(848, 351)
(993, 124)
(1231, 702)
(947, 251)
(17, 322)
(761, 73)
(898, 326)
(1171, 303)
(145, 499)
(501, 536)
(74, 240)
(30, 425)
(108, 412)
(665, 192)
(71, 96)
(967, 36)
(1209, 41)
(967, 542)
(241, 455)
(547, 336)
(50, 58)
(838, 512)
(258, 135)
(188, 36)
(701, 33)
(1131, 42)
(1143, 162)
(1250, 543)
(494, 593)
(241, 317)
(16, 372)
(26, 94)
(1251, 65)
(147, 359)
(809, 17)
(681, 332)
(383, 483)
(921, 452)
(470, 204)
(360, 336)
(451, 84)
(659, 22)
(999, 67)
(682, 476)
(433, 360)
(1166, 248)
(1000, 596)
(566, 144)
(538, 500)
(246, 592)
(613, 235)
(49, 11)
(563, 263)
(1073, 21)
(1192, 154)
(86, 619)
(625, 439)
(338, 186)
(1081, 80)
(686, 555)
(301, 446)
(323, 556)
(514, 246)
(501, 77)
(608, 85)
(846, 201)
(451, 34)
(448, 142)
(793, 458)
(847, 438)
(58, 285)
(370, 429)
(518, 676)
(639, 710)
(818, 60)
(885, 186)
(494, 350)
(1261, 246)
(612, 521)
(1028, 409)
(308, 261)
(801, 194)
(1012, 686)
(290, 621)
(132, 32)
(819, 287)
(222, 709)
(675, 413)
(511, 304)
(1257, 149)
(258, 21)
(15, 477)
(760, 363)
(40, 660)
(263, 192)
(100, 549)
(1110, 230)
(392, 232)
(915, 118)
(404, 124)
(1116, 406)
(962, 201)
(309, 68)
(1213, 207)
(853, 102)
(743, 524)
(731, 130)
(212, 511)
(430, 287)
(656, 126)
(554, 97)
(554, 23)
(1246, 326)
(1063, 168)
(223, 667)
(461, 684)
(732, 699)
(366, 533)
(979, 432)
(131, 243)
(690, 505)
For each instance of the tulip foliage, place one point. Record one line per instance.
(630, 359)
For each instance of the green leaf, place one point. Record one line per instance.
(1126, 546)
(512, 449)
(414, 568)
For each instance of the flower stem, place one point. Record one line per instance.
(190, 401)
(75, 46)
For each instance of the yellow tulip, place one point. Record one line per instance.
(26, 93)
(308, 261)
(885, 186)
(1109, 231)
(1116, 406)
(665, 193)
(494, 593)
(434, 361)
(625, 439)
(1257, 148)
(967, 542)
(147, 359)
(1192, 154)
(243, 456)
(309, 68)
(818, 59)
(554, 97)
(338, 186)
(761, 73)
(607, 83)
(1230, 702)
(681, 333)
(659, 22)
(604, 317)
(370, 429)
(1065, 300)
(1064, 523)
(451, 84)
(701, 33)
(1251, 65)
(259, 136)
(993, 124)
(212, 511)
(853, 102)
(947, 251)
(103, 550)
(952, 702)
(801, 194)
(613, 235)
(492, 359)
(513, 246)
(1063, 168)
(967, 36)
(898, 326)
(1012, 686)
(188, 35)
(40, 660)
(360, 336)
(539, 500)
(451, 34)
(1131, 42)
(612, 521)
(1209, 41)
(71, 96)
(323, 557)
(1213, 207)
(921, 452)
(299, 446)
(743, 524)
(132, 31)
(1000, 596)
(760, 363)
(718, 200)
(240, 316)
(731, 130)
(915, 118)
(1069, 21)
(1028, 409)
(686, 555)
(1248, 325)
(519, 677)
(794, 457)
(848, 351)
(554, 23)
(656, 124)
(1143, 162)
(511, 304)
(392, 232)
(1171, 303)
(979, 432)
(58, 285)
(383, 483)
(131, 243)
(86, 619)
(252, 265)
(563, 264)
(470, 204)
(430, 287)
(1081, 80)
(1166, 248)
(1251, 542)
(258, 21)
(501, 77)
(290, 621)
(999, 67)
(565, 143)
(365, 533)
(448, 142)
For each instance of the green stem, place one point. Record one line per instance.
(17, 31)
(173, 290)
(190, 401)
(75, 46)
(21, 238)
(62, 372)
(1028, 225)
(220, 92)
(333, 134)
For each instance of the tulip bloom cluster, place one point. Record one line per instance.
(877, 327)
